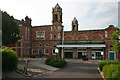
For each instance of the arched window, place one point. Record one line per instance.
(56, 17)
(54, 37)
(50, 36)
(59, 36)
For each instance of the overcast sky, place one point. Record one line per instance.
(91, 14)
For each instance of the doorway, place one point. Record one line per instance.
(111, 55)
(81, 54)
(68, 54)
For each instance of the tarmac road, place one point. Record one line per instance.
(75, 70)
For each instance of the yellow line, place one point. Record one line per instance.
(101, 73)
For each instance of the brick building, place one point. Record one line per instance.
(38, 41)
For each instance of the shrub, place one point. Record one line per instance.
(115, 74)
(56, 62)
(9, 59)
(110, 71)
(106, 62)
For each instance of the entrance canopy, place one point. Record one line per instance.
(82, 45)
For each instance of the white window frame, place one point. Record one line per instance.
(106, 34)
(50, 36)
(45, 51)
(40, 37)
(59, 36)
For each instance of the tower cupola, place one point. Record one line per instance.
(75, 24)
(58, 8)
(57, 15)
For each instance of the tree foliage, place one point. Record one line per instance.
(115, 35)
(9, 59)
(10, 29)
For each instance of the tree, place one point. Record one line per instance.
(116, 46)
(9, 59)
(10, 30)
(115, 36)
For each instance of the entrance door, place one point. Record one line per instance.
(40, 54)
(68, 54)
(111, 55)
(81, 54)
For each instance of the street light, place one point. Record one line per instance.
(62, 44)
(119, 38)
(26, 66)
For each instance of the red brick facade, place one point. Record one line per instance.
(42, 40)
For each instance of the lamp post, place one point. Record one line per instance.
(62, 55)
(119, 38)
(26, 66)
(56, 52)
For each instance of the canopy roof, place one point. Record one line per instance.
(82, 45)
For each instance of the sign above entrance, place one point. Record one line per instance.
(56, 51)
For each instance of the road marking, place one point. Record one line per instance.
(35, 70)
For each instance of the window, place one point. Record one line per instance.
(59, 36)
(46, 51)
(53, 51)
(40, 44)
(46, 45)
(26, 30)
(33, 51)
(54, 36)
(106, 34)
(40, 35)
(61, 18)
(56, 17)
(50, 36)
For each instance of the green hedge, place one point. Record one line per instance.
(111, 71)
(106, 62)
(9, 59)
(55, 61)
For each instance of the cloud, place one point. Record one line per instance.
(91, 14)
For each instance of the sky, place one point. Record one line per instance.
(91, 14)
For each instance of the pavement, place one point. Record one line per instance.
(75, 68)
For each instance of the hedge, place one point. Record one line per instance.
(111, 71)
(106, 62)
(9, 59)
(55, 61)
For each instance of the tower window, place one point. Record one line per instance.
(56, 17)
(74, 28)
